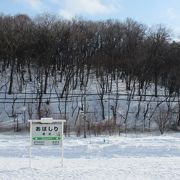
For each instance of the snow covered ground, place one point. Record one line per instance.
(140, 157)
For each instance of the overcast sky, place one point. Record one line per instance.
(149, 12)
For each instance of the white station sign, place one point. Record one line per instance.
(46, 134)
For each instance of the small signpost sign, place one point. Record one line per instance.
(46, 132)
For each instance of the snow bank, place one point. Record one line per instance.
(96, 158)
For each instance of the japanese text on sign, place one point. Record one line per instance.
(46, 134)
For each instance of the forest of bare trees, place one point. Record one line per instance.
(46, 60)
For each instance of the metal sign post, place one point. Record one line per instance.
(46, 132)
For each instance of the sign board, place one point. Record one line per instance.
(46, 132)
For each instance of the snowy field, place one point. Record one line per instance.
(141, 157)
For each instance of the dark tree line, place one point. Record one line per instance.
(78, 46)
(47, 50)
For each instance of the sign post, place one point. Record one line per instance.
(46, 132)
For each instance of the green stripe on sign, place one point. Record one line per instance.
(46, 138)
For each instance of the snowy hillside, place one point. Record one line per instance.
(130, 109)
(108, 76)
